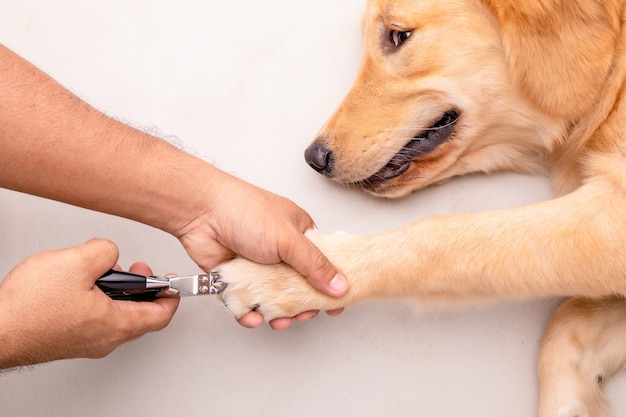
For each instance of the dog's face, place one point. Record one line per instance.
(434, 98)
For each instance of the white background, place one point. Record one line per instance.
(245, 85)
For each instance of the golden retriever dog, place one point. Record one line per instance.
(447, 88)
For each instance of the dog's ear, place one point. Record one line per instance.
(560, 51)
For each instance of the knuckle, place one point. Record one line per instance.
(321, 262)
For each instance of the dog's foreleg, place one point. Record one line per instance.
(584, 345)
(571, 246)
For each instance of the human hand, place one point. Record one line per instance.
(236, 217)
(213, 214)
(279, 291)
(50, 308)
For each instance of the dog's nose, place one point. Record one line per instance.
(320, 158)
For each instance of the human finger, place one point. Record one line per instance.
(281, 323)
(97, 256)
(306, 315)
(251, 320)
(309, 261)
(142, 317)
(335, 312)
(140, 268)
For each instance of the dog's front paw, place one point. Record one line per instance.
(272, 290)
(578, 354)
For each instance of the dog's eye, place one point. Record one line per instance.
(398, 38)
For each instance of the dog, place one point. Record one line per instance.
(447, 88)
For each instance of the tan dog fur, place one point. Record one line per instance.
(539, 87)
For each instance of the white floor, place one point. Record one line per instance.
(246, 84)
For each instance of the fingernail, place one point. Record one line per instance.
(339, 284)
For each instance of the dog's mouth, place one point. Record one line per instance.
(421, 145)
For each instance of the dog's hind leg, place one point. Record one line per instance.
(584, 345)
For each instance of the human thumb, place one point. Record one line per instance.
(310, 262)
(96, 257)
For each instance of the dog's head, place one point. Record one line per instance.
(445, 89)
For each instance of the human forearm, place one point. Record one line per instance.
(54, 145)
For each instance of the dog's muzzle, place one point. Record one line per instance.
(320, 157)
